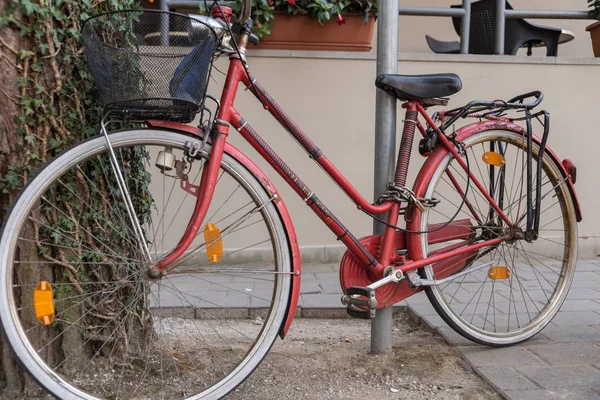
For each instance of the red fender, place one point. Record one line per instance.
(281, 208)
(440, 153)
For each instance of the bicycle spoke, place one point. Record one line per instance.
(505, 303)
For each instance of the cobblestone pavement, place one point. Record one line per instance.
(562, 362)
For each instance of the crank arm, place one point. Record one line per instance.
(416, 280)
(391, 275)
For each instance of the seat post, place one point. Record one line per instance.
(408, 134)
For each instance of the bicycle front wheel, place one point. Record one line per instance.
(524, 282)
(78, 305)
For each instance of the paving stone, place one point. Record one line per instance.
(551, 377)
(587, 276)
(481, 356)
(227, 286)
(260, 298)
(320, 268)
(264, 285)
(418, 298)
(563, 362)
(454, 338)
(567, 353)
(584, 293)
(235, 300)
(322, 276)
(577, 318)
(310, 287)
(423, 309)
(506, 378)
(541, 394)
(331, 286)
(571, 333)
(211, 277)
(322, 301)
(308, 276)
(591, 283)
(580, 305)
(585, 265)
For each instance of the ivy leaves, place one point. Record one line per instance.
(55, 91)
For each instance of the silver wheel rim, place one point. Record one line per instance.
(440, 300)
(16, 336)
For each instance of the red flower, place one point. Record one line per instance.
(292, 2)
(340, 20)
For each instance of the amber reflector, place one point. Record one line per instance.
(493, 158)
(215, 249)
(43, 302)
(496, 273)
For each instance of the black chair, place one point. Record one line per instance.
(518, 33)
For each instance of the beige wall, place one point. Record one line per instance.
(333, 101)
(332, 97)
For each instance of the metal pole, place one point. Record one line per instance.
(164, 24)
(385, 145)
(500, 25)
(465, 27)
(431, 11)
(548, 14)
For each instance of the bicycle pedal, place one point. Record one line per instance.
(360, 302)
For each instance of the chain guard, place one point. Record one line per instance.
(354, 273)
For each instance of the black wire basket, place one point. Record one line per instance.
(149, 64)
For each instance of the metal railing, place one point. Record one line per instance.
(501, 15)
(463, 12)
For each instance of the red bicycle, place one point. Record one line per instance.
(167, 262)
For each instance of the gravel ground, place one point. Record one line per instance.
(329, 359)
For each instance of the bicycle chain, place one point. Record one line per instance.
(402, 194)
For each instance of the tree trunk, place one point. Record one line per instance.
(12, 377)
(46, 100)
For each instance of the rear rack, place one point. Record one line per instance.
(497, 110)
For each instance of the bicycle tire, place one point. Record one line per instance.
(198, 325)
(533, 296)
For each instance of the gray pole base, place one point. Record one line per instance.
(381, 332)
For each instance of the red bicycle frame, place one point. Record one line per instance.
(229, 116)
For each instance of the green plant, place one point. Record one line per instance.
(263, 11)
(594, 6)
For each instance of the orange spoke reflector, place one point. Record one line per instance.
(493, 158)
(215, 249)
(497, 273)
(43, 302)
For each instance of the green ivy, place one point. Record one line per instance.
(57, 108)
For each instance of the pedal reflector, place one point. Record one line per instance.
(43, 302)
(497, 273)
(493, 158)
(214, 251)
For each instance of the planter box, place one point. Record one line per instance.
(299, 32)
(594, 31)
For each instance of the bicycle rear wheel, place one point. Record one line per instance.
(78, 306)
(525, 284)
